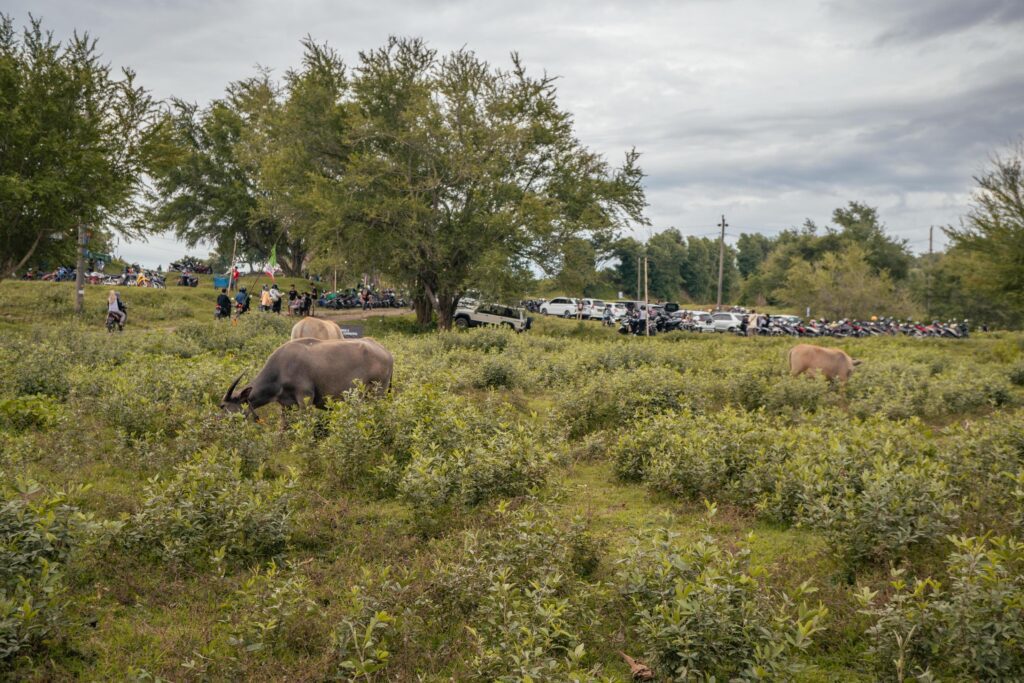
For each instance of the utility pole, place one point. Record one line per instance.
(647, 304)
(928, 274)
(80, 271)
(231, 266)
(721, 260)
(638, 276)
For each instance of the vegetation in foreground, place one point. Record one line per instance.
(523, 506)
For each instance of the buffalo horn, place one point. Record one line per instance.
(231, 389)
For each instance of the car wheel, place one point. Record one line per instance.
(566, 315)
(462, 323)
(544, 311)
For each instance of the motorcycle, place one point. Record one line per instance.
(636, 328)
(113, 322)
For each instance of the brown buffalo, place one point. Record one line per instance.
(833, 363)
(313, 370)
(315, 328)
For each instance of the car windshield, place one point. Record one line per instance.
(597, 303)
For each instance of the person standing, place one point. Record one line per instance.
(275, 299)
(579, 309)
(234, 278)
(265, 301)
(293, 294)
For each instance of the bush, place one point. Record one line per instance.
(889, 508)
(521, 587)
(39, 531)
(985, 458)
(1016, 375)
(208, 512)
(34, 368)
(365, 639)
(272, 610)
(713, 455)
(700, 612)
(433, 450)
(971, 629)
(607, 400)
(511, 461)
(25, 413)
(496, 373)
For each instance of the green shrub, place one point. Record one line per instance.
(209, 511)
(969, 627)
(510, 461)
(32, 368)
(532, 541)
(700, 612)
(1016, 375)
(272, 611)
(25, 413)
(529, 633)
(365, 639)
(496, 373)
(984, 458)
(889, 508)
(39, 531)
(521, 586)
(712, 455)
(608, 400)
(434, 450)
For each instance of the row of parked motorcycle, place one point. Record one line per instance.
(351, 298)
(778, 326)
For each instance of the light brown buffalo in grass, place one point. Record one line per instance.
(833, 363)
(315, 328)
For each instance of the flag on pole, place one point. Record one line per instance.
(272, 263)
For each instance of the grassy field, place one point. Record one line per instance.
(520, 508)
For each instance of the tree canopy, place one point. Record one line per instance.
(74, 145)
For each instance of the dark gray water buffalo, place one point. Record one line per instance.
(314, 370)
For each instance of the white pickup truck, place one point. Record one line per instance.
(476, 315)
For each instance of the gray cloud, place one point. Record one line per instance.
(916, 20)
(766, 113)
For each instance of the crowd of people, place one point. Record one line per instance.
(271, 300)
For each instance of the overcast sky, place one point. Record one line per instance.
(767, 112)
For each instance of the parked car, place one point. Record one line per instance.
(492, 314)
(562, 306)
(726, 322)
(593, 309)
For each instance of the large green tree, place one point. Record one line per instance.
(74, 145)
(991, 240)
(227, 174)
(627, 252)
(666, 254)
(843, 285)
(751, 251)
(453, 164)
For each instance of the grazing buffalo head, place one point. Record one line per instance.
(232, 403)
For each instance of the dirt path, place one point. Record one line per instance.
(355, 314)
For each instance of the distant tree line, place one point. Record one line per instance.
(854, 268)
(441, 172)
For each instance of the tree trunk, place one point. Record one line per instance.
(444, 303)
(446, 312)
(424, 312)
